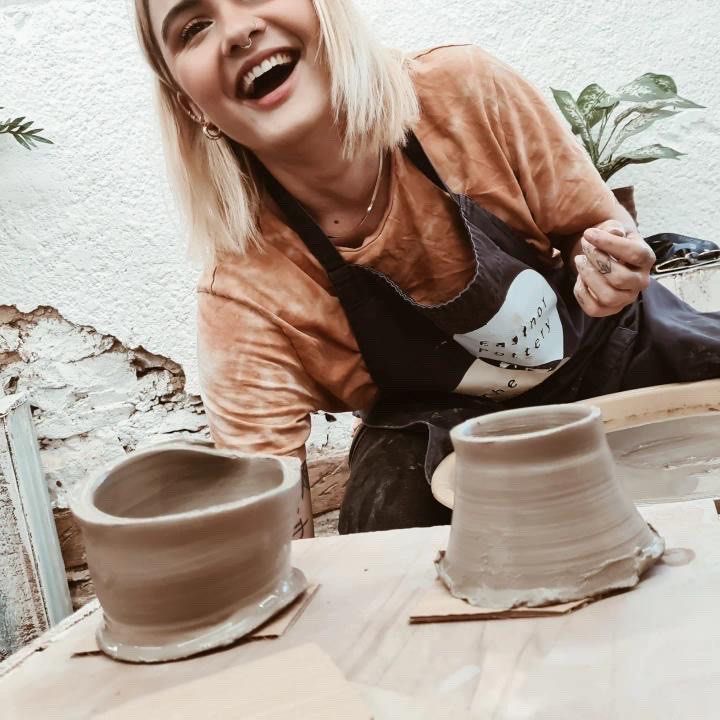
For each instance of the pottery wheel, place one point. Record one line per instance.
(670, 460)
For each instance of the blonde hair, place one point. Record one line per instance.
(374, 102)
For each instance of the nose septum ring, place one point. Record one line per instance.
(250, 38)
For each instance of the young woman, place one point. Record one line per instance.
(416, 238)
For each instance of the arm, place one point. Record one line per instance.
(256, 393)
(570, 202)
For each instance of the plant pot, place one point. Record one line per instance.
(626, 197)
(189, 549)
(539, 516)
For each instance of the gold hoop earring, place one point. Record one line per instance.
(186, 109)
(211, 132)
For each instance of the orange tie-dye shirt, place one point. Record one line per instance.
(274, 343)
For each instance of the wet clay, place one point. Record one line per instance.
(540, 517)
(189, 548)
(665, 460)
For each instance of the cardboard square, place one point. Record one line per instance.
(271, 630)
(302, 683)
(282, 622)
(437, 605)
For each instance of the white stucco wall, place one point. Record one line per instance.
(88, 226)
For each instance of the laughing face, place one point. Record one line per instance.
(267, 97)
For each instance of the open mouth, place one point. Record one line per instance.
(268, 75)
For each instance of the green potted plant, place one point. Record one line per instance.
(22, 130)
(605, 121)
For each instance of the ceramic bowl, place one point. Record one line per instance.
(189, 548)
(539, 516)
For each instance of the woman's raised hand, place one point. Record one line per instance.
(613, 269)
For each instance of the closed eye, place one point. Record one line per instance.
(194, 27)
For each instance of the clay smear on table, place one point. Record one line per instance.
(665, 460)
(189, 548)
(539, 516)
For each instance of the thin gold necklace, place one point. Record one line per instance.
(370, 207)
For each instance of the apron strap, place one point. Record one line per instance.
(415, 151)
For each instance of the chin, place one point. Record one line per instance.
(291, 128)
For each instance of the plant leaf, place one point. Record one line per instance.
(643, 108)
(16, 122)
(677, 103)
(23, 141)
(649, 86)
(686, 104)
(570, 110)
(640, 156)
(648, 153)
(595, 103)
(23, 132)
(637, 125)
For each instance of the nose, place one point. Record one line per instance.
(239, 31)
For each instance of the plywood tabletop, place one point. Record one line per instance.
(653, 652)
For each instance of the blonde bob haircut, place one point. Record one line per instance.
(372, 96)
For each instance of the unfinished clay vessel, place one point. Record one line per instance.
(189, 548)
(539, 516)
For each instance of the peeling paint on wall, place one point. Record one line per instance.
(93, 398)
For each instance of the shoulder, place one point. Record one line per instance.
(251, 278)
(466, 94)
(467, 69)
(452, 60)
(279, 281)
(239, 285)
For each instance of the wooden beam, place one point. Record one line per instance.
(33, 589)
(328, 477)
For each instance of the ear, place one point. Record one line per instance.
(189, 107)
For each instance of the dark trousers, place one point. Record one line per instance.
(387, 488)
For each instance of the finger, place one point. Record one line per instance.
(601, 261)
(604, 294)
(614, 227)
(616, 274)
(587, 302)
(631, 250)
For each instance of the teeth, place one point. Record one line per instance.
(263, 67)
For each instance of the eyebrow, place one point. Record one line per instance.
(173, 13)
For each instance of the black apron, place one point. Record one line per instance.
(515, 336)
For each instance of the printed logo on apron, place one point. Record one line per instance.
(520, 346)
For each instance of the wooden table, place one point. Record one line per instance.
(653, 652)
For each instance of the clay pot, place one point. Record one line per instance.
(626, 197)
(539, 516)
(189, 548)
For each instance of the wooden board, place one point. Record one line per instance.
(653, 652)
(302, 683)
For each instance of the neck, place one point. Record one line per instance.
(327, 184)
